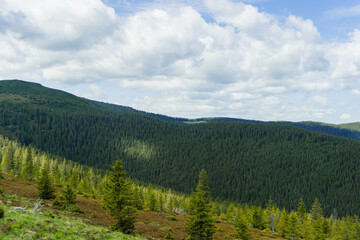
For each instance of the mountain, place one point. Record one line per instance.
(247, 161)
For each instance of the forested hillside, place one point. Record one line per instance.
(246, 162)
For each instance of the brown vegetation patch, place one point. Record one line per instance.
(148, 224)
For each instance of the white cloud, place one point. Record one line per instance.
(343, 12)
(319, 99)
(247, 63)
(345, 116)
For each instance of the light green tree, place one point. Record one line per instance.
(8, 161)
(230, 213)
(241, 226)
(293, 226)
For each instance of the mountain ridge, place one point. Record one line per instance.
(246, 161)
(349, 130)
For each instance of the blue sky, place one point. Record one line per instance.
(256, 59)
(329, 16)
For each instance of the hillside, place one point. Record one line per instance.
(246, 161)
(92, 221)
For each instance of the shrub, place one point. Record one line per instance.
(168, 236)
(73, 208)
(171, 218)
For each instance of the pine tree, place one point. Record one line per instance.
(152, 202)
(283, 224)
(8, 161)
(301, 210)
(68, 196)
(241, 226)
(293, 226)
(46, 190)
(201, 224)
(29, 165)
(230, 212)
(316, 210)
(257, 218)
(118, 200)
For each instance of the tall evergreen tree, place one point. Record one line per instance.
(29, 165)
(301, 210)
(8, 161)
(241, 226)
(46, 190)
(293, 226)
(118, 199)
(316, 210)
(201, 224)
(257, 218)
(68, 196)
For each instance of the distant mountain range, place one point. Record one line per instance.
(247, 161)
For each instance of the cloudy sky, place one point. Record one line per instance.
(256, 59)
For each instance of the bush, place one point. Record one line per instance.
(57, 202)
(73, 208)
(171, 218)
(168, 236)
(2, 212)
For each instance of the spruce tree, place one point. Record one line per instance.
(118, 199)
(293, 226)
(201, 224)
(301, 210)
(257, 218)
(241, 226)
(68, 196)
(316, 210)
(8, 161)
(46, 190)
(29, 166)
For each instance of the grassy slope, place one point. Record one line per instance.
(51, 223)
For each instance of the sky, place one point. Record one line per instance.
(271, 60)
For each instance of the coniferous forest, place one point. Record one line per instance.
(302, 222)
(246, 162)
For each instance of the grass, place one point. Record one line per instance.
(51, 222)
(47, 224)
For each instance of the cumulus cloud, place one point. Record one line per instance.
(244, 63)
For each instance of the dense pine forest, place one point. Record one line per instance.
(302, 222)
(247, 162)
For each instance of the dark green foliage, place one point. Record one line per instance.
(46, 190)
(118, 200)
(248, 161)
(29, 167)
(2, 212)
(201, 225)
